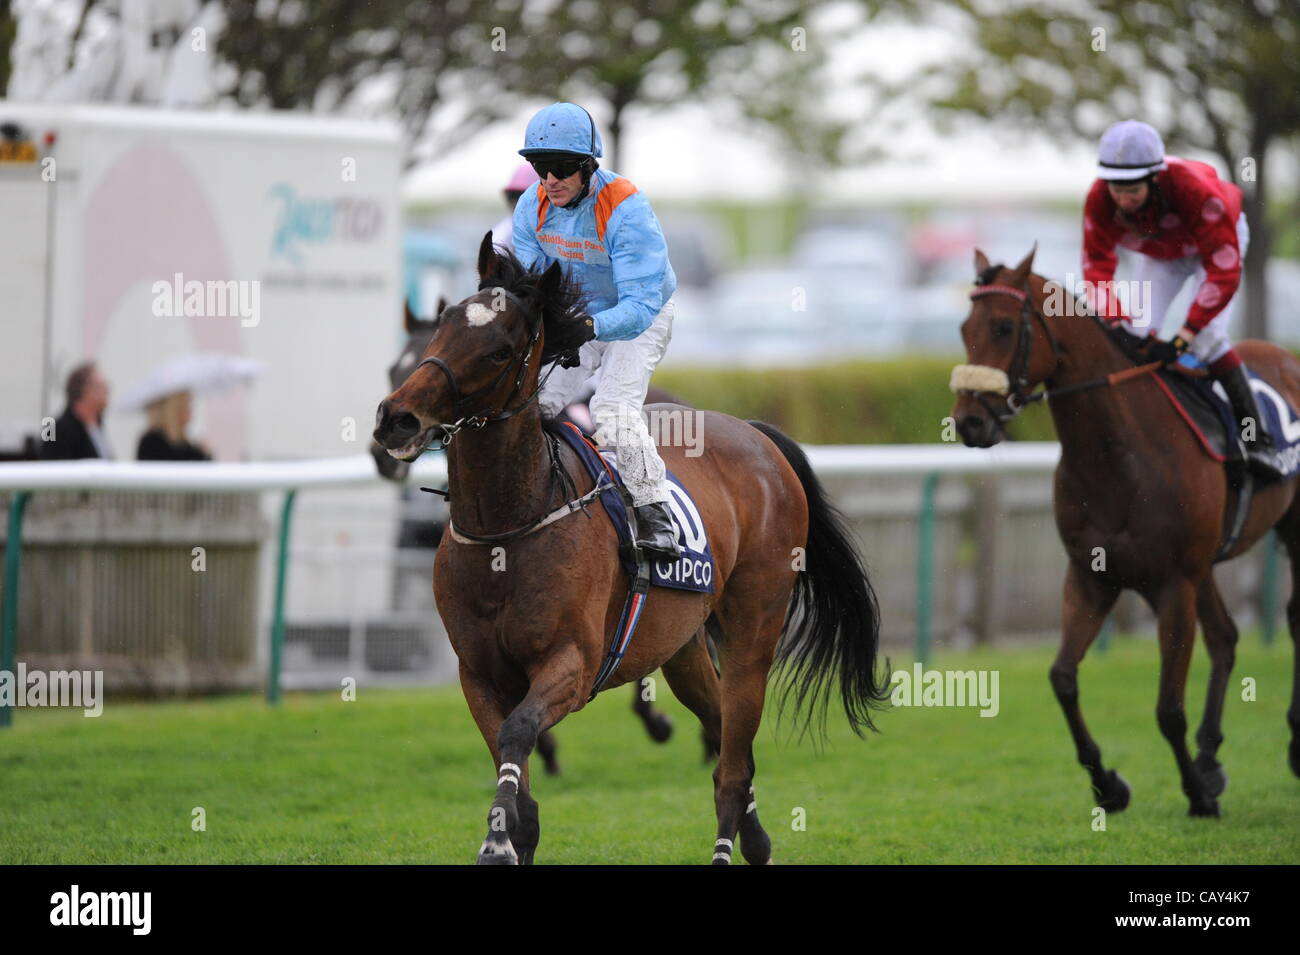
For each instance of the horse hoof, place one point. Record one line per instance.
(497, 853)
(1115, 793)
(660, 727)
(552, 768)
(1204, 808)
(1215, 779)
(1294, 757)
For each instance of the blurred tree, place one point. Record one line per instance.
(289, 54)
(1220, 75)
(8, 30)
(755, 56)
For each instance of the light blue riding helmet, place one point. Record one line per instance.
(562, 128)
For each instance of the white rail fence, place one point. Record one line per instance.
(177, 577)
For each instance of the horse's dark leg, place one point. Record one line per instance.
(489, 712)
(657, 724)
(546, 748)
(1088, 598)
(693, 680)
(1221, 642)
(1290, 534)
(751, 634)
(513, 827)
(1176, 613)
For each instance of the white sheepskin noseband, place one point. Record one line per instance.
(979, 379)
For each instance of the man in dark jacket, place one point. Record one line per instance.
(78, 432)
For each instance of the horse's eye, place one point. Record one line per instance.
(502, 354)
(1001, 329)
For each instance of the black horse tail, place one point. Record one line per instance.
(833, 626)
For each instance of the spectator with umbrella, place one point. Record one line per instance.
(166, 395)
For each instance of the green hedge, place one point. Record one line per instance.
(901, 401)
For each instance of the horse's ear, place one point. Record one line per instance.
(487, 260)
(409, 321)
(981, 262)
(442, 306)
(550, 281)
(1020, 275)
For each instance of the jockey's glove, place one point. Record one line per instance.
(587, 332)
(1166, 352)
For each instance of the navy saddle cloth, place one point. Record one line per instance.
(1205, 407)
(694, 570)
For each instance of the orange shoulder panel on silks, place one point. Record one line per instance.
(606, 202)
(614, 192)
(543, 204)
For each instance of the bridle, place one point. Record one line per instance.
(1018, 375)
(558, 475)
(1015, 398)
(481, 420)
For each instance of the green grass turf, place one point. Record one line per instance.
(403, 776)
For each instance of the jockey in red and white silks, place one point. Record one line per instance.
(1184, 222)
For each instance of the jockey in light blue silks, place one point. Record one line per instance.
(604, 232)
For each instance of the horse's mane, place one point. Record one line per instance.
(563, 310)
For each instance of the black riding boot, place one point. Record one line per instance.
(655, 533)
(1243, 406)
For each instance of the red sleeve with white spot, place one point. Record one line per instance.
(1214, 229)
(1101, 233)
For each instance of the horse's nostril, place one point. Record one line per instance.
(404, 425)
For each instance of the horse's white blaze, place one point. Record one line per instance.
(979, 378)
(477, 314)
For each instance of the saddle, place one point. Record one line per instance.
(694, 570)
(1204, 407)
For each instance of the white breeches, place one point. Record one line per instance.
(625, 370)
(1160, 282)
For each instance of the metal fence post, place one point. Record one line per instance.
(1268, 587)
(277, 621)
(13, 563)
(925, 567)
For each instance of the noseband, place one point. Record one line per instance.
(1018, 375)
(480, 420)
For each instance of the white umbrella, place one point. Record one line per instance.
(201, 372)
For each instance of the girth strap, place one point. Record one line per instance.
(637, 593)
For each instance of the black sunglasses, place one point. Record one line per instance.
(560, 168)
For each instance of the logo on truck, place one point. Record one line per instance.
(310, 221)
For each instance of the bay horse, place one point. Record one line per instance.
(1134, 488)
(657, 724)
(532, 633)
